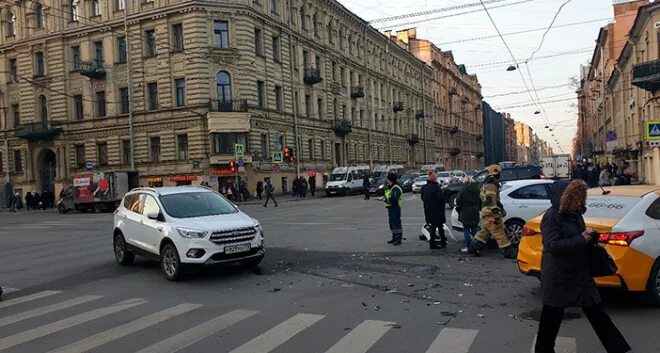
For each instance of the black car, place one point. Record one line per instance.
(520, 172)
(406, 181)
(378, 186)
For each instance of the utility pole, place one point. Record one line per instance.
(295, 105)
(366, 79)
(423, 113)
(130, 86)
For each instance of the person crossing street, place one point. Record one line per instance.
(366, 184)
(269, 193)
(434, 211)
(492, 213)
(394, 203)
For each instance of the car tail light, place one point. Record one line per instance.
(529, 232)
(620, 238)
(542, 176)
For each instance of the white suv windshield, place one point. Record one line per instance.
(196, 204)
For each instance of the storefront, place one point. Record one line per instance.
(181, 180)
(154, 182)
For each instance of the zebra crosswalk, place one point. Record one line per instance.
(43, 325)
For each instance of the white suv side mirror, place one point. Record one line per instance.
(153, 215)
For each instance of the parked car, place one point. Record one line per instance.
(513, 173)
(458, 175)
(522, 200)
(378, 186)
(419, 183)
(346, 180)
(184, 226)
(628, 220)
(406, 181)
(445, 178)
(471, 173)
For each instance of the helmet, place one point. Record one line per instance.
(494, 169)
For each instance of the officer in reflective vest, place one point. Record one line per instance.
(394, 203)
(492, 215)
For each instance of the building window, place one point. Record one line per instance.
(154, 149)
(319, 107)
(73, 10)
(152, 96)
(341, 39)
(39, 68)
(303, 20)
(223, 87)
(264, 145)
(13, 71)
(43, 109)
(18, 161)
(278, 98)
(310, 147)
(322, 150)
(122, 53)
(308, 105)
(98, 53)
(273, 6)
(150, 43)
(39, 15)
(11, 25)
(223, 143)
(180, 94)
(80, 155)
(261, 101)
(96, 8)
(177, 37)
(350, 44)
(182, 147)
(315, 25)
(16, 114)
(276, 48)
(75, 56)
(331, 40)
(120, 4)
(126, 151)
(258, 39)
(78, 106)
(100, 104)
(124, 100)
(102, 151)
(220, 34)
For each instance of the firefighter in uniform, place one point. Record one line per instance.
(394, 202)
(492, 214)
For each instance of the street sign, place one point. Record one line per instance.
(241, 169)
(278, 157)
(241, 163)
(611, 145)
(89, 166)
(239, 150)
(610, 136)
(652, 130)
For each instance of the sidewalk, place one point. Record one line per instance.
(281, 198)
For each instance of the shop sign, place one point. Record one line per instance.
(223, 172)
(85, 181)
(183, 178)
(154, 180)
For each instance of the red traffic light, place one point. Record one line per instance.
(232, 167)
(286, 151)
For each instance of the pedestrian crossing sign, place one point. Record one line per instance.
(239, 150)
(278, 157)
(652, 130)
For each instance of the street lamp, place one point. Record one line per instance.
(537, 112)
(511, 68)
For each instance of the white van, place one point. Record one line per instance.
(383, 170)
(346, 180)
(434, 167)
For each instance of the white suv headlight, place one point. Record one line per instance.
(191, 233)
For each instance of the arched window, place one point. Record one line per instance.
(223, 88)
(43, 109)
(11, 24)
(315, 25)
(38, 16)
(73, 6)
(330, 38)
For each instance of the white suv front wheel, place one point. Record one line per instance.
(170, 263)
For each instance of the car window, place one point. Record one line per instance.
(134, 202)
(444, 175)
(196, 204)
(654, 209)
(509, 174)
(532, 192)
(422, 178)
(481, 176)
(150, 205)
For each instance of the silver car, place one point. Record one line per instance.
(419, 184)
(445, 178)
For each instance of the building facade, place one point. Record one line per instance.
(510, 143)
(494, 135)
(308, 76)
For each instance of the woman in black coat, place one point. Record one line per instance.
(434, 211)
(565, 272)
(468, 205)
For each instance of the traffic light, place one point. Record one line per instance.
(287, 154)
(232, 166)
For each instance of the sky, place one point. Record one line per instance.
(569, 43)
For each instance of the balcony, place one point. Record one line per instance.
(647, 75)
(39, 131)
(480, 137)
(455, 151)
(419, 115)
(357, 92)
(342, 127)
(413, 139)
(479, 154)
(397, 107)
(313, 76)
(92, 69)
(233, 105)
(454, 130)
(453, 92)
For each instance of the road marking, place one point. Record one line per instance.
(28, 298)
(57, 326)
(47, 309)
(279, 334)
(562, 345)
(199, 332)
(8, 290)
(453, 340)
(126, 329)
(362, 337)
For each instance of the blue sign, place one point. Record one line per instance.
(241, 162)
(653, 130)
(89, 166)
(610, 136)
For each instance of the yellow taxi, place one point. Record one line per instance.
(628, 220)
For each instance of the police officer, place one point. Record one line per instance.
(492, 213)
(394, 203)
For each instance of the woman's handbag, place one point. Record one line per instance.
(602, 264)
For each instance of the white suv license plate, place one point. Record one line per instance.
(235, 249)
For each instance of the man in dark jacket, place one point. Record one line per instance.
(366, 184)
(312, 184)
(626, 176)
(434, 211)
(468, 205)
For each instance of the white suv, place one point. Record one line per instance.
(182, 226)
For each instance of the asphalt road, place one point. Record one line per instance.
(329, 283)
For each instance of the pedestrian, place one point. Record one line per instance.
(434, 211)
(468, 204)
(604, 177)
(492, 213)
(366, 185)
(260, 189)
(38, 201)
(269, 193)
(575, 173)
(394, 203)
(593, 174)
(584, 173)
(312, 184)
(13, 202)
(566, 278)
(296, 187)
(303, 187)
(29, 201)
(625, 178)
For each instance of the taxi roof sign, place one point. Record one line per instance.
(652, 130)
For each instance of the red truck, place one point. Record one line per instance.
(97, 191)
